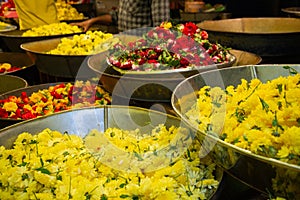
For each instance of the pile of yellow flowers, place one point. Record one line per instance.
(54, 165)
(66, 11)
(61, 28)
(91, 42)
(4, 25)
(261, 117)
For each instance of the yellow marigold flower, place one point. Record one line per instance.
(6, 66)
(10, 106)
(166, 25)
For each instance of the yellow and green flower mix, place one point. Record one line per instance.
(66, 11)
(61, 28)
(54, 165)
(91, 42)
(55, 98)
(261, 117)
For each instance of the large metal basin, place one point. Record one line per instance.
(4, 122)
(13, 39)
(65, 66)
(153, 87)
(262, 36)
(10, 82)
(29, 71)
(252, 169)
(81, 121)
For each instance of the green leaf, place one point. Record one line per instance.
(265, 106)
(240, 115)
(123, 196)
(43, 170)
(279, 87)
(138, 156)
(291, 70)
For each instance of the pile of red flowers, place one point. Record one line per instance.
(168, 47)
(56, 98)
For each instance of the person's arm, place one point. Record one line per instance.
(110, 18)
(160, 11)
(102, 19)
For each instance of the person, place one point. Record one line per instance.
(133, 14)
(33, 13)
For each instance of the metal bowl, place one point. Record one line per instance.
(54, 65)
(28, 69)
(4, 122)
(256, 35)
(81, 121)
(229, 63)
(10, 82)
(252, 169)
(13, 39)
(7, 28)
(292, 11)
(152, 87)
(65, 66)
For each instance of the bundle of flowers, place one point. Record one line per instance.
(56, 98)
(54, 165)
(169, 47)
(7, 67)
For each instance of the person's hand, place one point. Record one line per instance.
(84, 24)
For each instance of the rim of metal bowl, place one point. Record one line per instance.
(265, 159)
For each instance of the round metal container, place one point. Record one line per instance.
(4, 122)
(252, 169)
(7, 28)
(262, 36)
(292, 11)
(64, 66)
(81, 121)
(10, 82)
(153, 87)
(22, 60)
(13, 39)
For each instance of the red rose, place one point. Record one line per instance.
(190, 29)
(204, 35)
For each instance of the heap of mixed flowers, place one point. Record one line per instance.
(56, 98)
(7, 67)
(169, 47)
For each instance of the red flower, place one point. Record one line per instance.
(190, 29)
(3, 113)
(204, 35)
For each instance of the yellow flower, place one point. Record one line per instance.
(10, 106)
(166, 25)
(6, 66)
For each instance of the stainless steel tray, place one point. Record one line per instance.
(10, 82)
(153, 87)
(256, 35)
(65, 66)
(4, 122)
(252, 169)
(81, 121)
(13, 39)
(28, 71)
